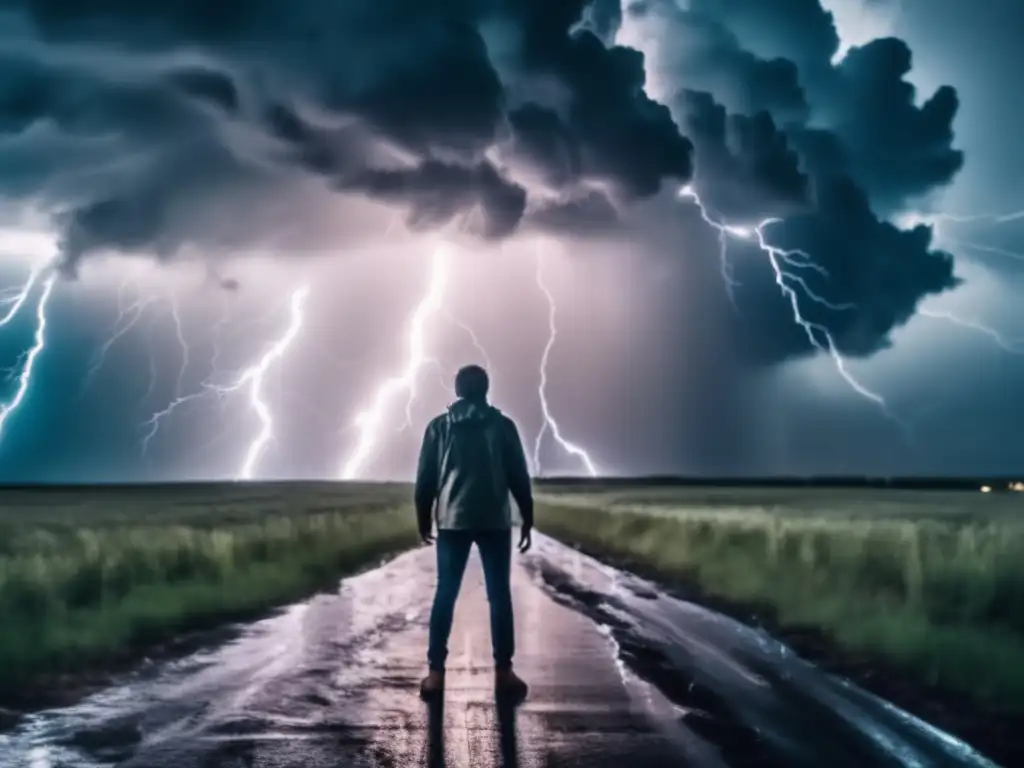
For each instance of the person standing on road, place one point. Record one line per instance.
(472, 458)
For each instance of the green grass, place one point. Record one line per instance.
(88, 578)
(931, 582)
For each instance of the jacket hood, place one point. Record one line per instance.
(464, 411)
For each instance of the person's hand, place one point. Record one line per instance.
(426, 538)
(525, 540)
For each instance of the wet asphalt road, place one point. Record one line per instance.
(620, 675)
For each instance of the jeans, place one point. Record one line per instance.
(495, 547)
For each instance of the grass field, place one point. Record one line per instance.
(88, 576)
(932, 581)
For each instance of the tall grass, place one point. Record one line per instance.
(942, 596)
(77, 592)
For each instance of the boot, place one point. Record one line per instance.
(432, 685)
(508, 684)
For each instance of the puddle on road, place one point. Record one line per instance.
(318, 672)
(274, 680)
(740, 688)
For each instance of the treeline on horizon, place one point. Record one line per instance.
(971, 483)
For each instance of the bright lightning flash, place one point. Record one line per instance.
(370, 421)
(937, 222)
(550, 425)
(783, 262)
(251, 378)
(39, 342)
(14, 299)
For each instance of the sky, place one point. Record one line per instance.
(700, 237)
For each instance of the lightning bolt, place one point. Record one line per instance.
(723, 243)
(151, 354)
(1013, 346)
(252, 379)
(217, 331)
(369, 422)
(782, 263)
(216, 348)
(254, 375)
(979, 218)
(38, 344)
(994, 250)
(938, 220)
(127, 318)
(179, 334)
(14, 299)
(550, 424)
(484, 357)
(155, 422)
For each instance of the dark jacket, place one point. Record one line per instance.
(471, 460)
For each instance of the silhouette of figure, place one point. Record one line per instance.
(472, 458)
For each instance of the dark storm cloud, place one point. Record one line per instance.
(603, 18)
(160, 126)
(438, 192)
(546, 145)
(206, 85)
(589, 213)
(699, 52)
(781, 131)
(800, 31)
(872, 273)
(893, 147)
(625, 139)
(747, 170)
(204, 105)
(975, 47)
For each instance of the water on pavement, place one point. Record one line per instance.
(621, 675)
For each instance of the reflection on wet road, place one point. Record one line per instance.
(620, 674)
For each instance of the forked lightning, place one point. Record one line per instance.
(24, 377)
(370, 422)
(549, 424)
(252, 379)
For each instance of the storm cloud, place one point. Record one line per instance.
(832, 148)
(136, 127)
(167, 126)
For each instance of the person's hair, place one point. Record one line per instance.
(472, 383)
